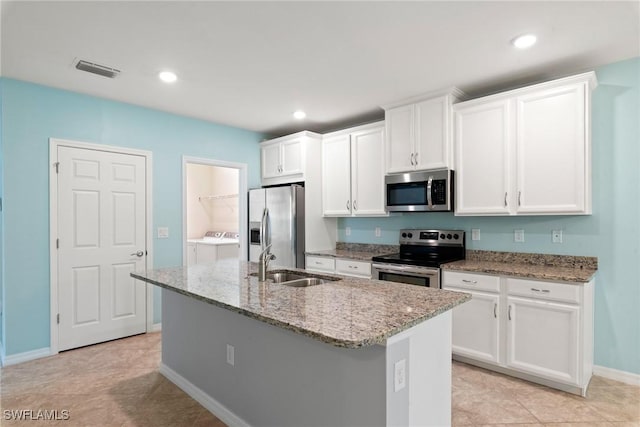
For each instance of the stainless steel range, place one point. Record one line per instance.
(421, 254)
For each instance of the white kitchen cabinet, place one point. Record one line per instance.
(526, 151)
(483, 340)
(230, 251)
(542, 338)
(344, 266)
(353, 172)
(191, 254)
(283, 159)
(418, 132)
(537, 330)
(206, 254)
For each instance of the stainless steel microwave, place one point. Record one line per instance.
(425, 191)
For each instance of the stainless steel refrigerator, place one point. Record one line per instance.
(276, 217)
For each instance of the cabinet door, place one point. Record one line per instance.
(367, 172)
(336, 176)
(191, 254)
(432, 139)
(292, 156)
(482, 145)
(227, 251)
(270, 155)
(476, 328)
(399, 139)
(206, 254)
(542, 338)
(551, 151)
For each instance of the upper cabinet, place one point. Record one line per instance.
(418, 132)
(283, 159)
(526, 151)
(353, 172)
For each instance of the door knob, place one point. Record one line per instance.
(139, 254)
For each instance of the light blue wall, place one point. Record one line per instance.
(31, 115)
(612, 233)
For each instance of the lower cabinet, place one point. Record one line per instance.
(206, 254)
(347, 267)
(191, 253)
(536, 330)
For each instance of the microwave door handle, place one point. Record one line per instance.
(429, 200)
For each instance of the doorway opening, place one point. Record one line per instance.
(214, 194)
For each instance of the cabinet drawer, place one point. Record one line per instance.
(544, 290)
(356, 268)
(471, 281)
(321, 263)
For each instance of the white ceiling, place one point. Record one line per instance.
(251, 64)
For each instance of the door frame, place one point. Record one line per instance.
(54, 143)
(242, 200)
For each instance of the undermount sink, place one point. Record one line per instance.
(296, 279)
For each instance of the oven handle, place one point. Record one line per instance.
(422, 272)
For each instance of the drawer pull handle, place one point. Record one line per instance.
(535, 290)
(470, 281)
(509, 313)
(495, 310)
(546, 291)
(318, 263)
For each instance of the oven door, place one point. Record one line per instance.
(421, 276)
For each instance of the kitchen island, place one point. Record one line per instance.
(352, 352)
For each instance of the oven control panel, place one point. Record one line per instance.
(431, 237)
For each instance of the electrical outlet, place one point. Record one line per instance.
(378, 232)
(400, 375)
(347, 231)
(518, 236)
(230, 355)
(556, 236)
(163, 232)
(475, 234)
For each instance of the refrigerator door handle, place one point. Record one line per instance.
(263, 223)
(267, 227)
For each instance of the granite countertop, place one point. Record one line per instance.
(351, 312)
(356, 251)
(564, 268)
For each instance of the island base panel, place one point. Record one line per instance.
(283, 378)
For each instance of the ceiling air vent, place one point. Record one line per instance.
(98, 69)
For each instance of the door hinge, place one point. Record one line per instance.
(58, 318)
(57, 243)
(57, 165)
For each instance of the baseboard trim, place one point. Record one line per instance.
(215, 407)
(614, 374)
(2, 356)
(156, 327)
(14, 359)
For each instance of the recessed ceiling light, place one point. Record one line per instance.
(168, 76)
(299, 115)
(524, 41)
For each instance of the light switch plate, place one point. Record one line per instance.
(163, 232)
(378, 232)
(518, 236)
(347, 231)
(475, 234)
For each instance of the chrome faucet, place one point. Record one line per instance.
(263, 263)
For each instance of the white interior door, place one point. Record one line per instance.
(101, 227)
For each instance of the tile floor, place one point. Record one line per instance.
(118, 384)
